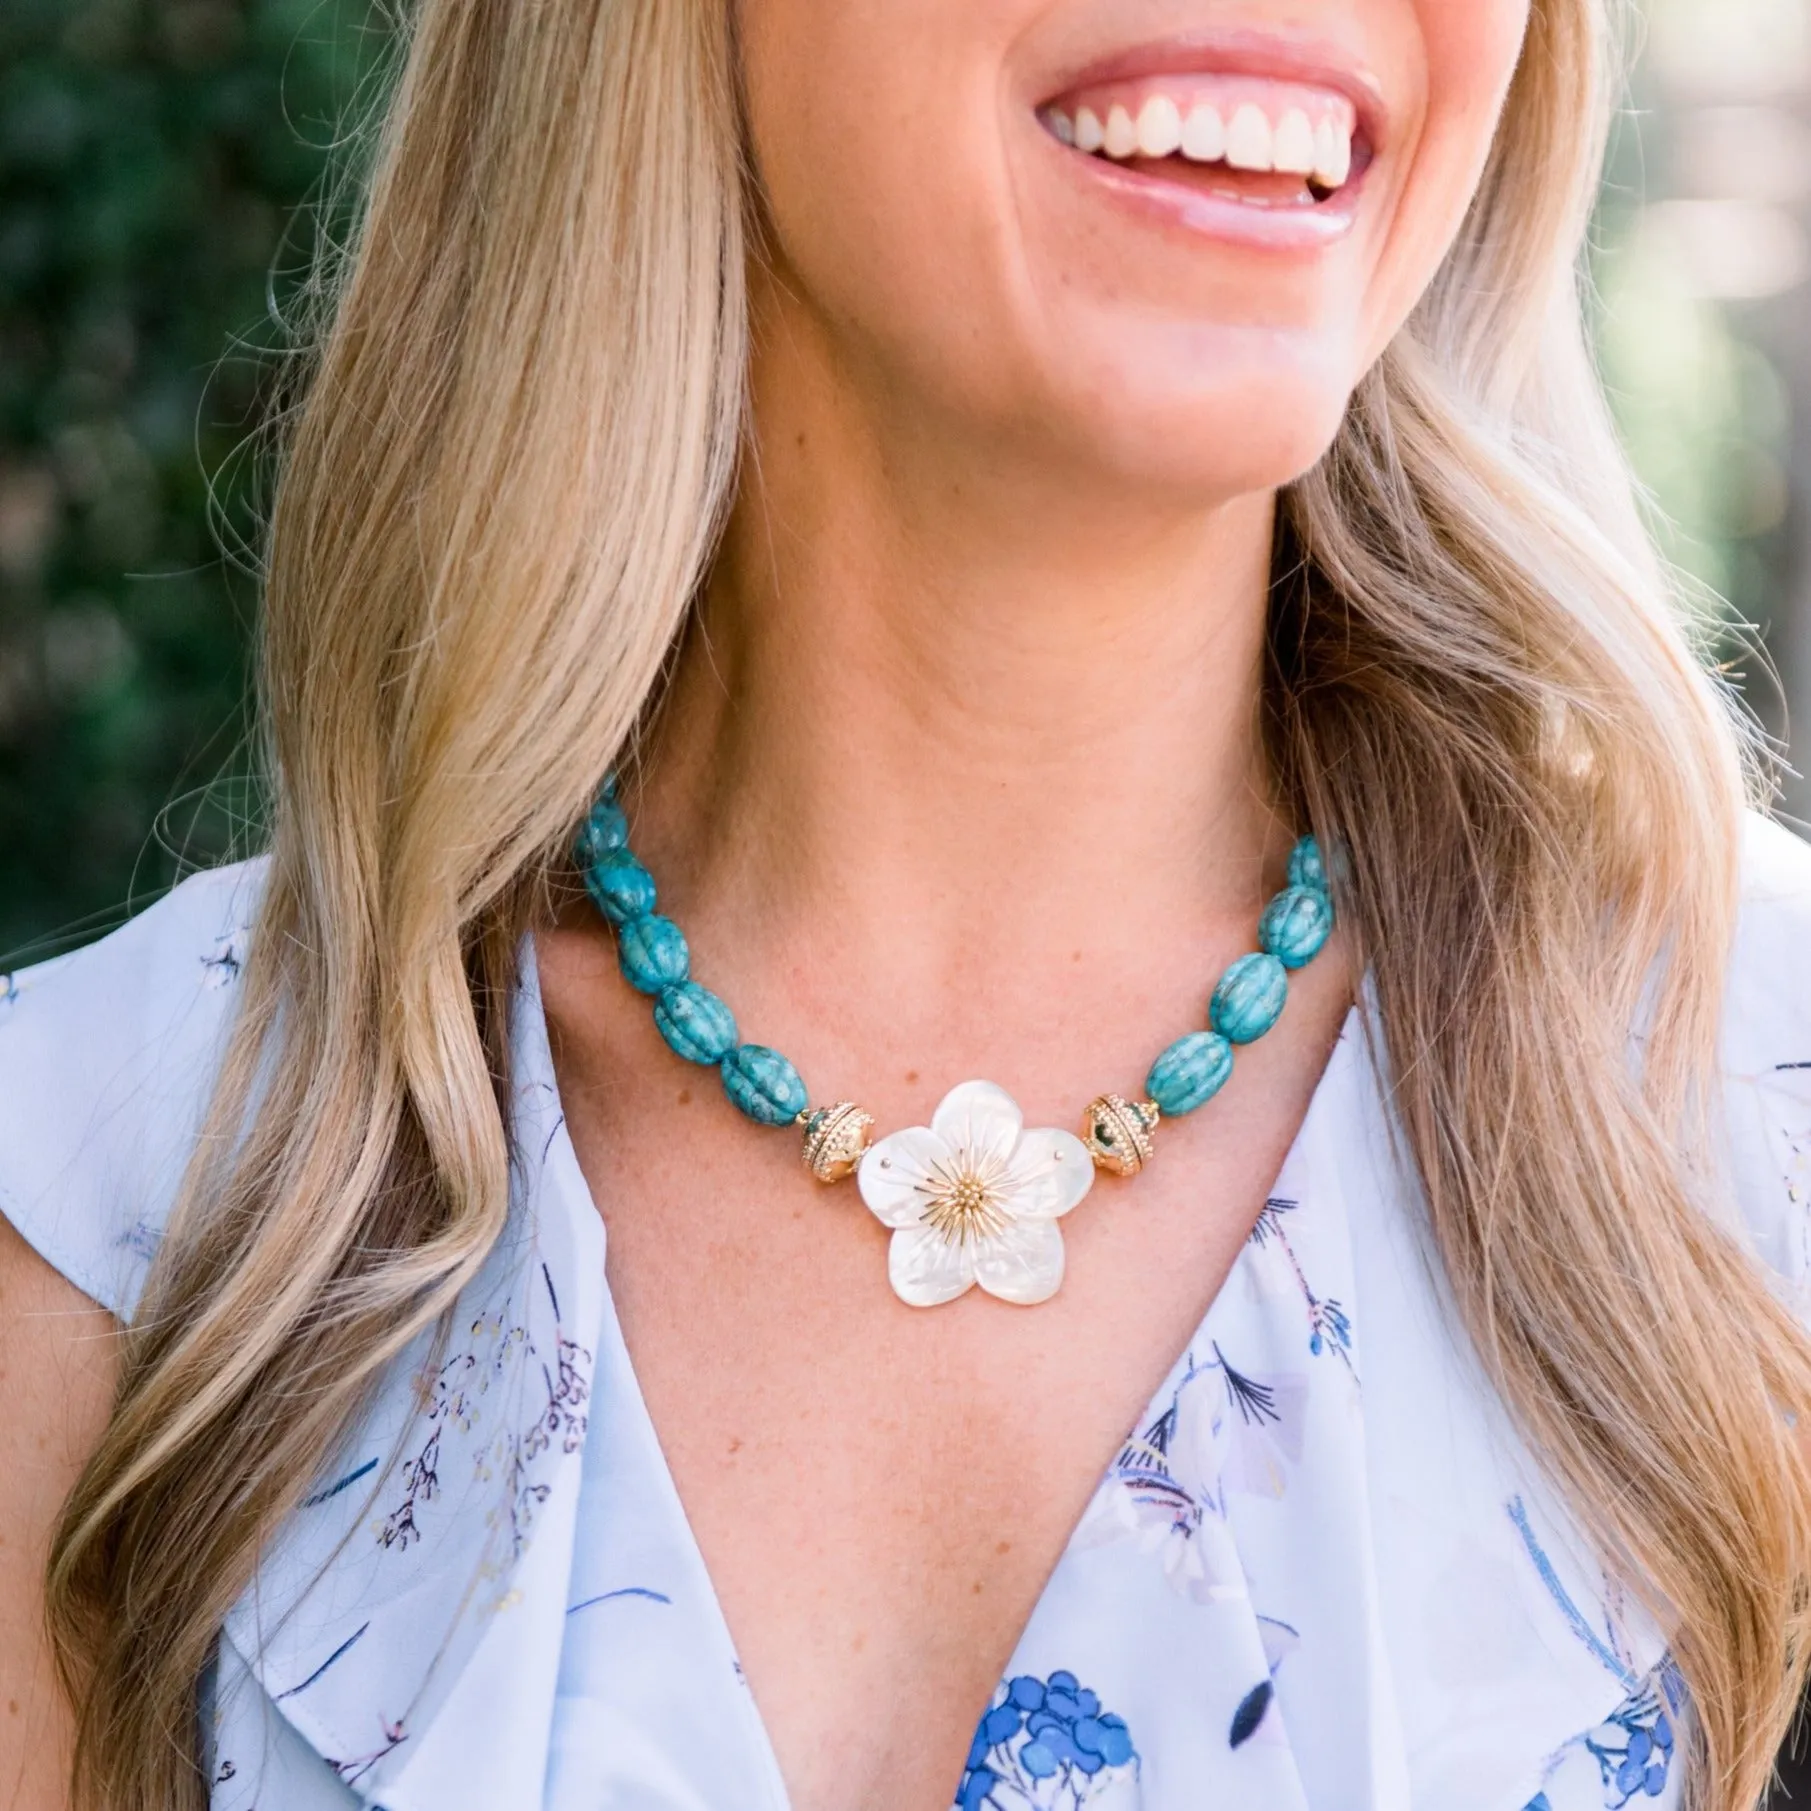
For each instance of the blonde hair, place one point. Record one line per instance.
(494, 511)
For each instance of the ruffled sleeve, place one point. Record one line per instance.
(108, 1057)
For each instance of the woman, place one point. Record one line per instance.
(959, 490)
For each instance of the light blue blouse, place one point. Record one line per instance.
(1322, 1573)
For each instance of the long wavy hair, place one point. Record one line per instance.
(494, 509)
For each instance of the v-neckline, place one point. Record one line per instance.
(563, 1174)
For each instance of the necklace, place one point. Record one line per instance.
(975, 1196)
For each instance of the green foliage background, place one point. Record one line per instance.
(154, 155)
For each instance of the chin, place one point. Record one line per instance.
(1205, 413)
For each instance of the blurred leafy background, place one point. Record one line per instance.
(1703, 255)
(158, 159)
(158, 164)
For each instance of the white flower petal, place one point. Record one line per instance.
(926, 1269)
(1051, 1171)
(979, 1121)
(1023, 1264)
(893, 1172)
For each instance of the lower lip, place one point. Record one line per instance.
(1265, 226)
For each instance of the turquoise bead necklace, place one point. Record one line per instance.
(974, 1197)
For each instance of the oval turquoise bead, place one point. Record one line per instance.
(1249, 999)
(1306, 868)
(1296, 925)
(651, 951)
(606, 827)
(621, 886)
(764, 1085)
(1190, 1073)
(695, 1023)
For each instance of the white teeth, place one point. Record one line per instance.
(1295, 145)
(1204, 135)
(1332, 156)
(1248, 140)
(1293, 149)
(1159, 127)
(1326, 148)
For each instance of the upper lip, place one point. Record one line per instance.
(1313, 62)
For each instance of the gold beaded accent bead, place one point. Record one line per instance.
(835, 1138)
(1118, 1134)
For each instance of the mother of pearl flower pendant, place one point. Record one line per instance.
(974, 1199)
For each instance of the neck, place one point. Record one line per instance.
(937, 674)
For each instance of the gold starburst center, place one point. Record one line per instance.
(963, 1204)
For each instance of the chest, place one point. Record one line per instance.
(1286, 1589)
(881, 1493)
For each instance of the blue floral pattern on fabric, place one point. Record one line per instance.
(1224, 1428)
(450, 1397)
(225, 963)
(1632, 1747)
(1042, 1745)
(1329, 1326)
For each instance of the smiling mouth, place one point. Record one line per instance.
(1269, 144)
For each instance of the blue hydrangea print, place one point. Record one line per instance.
(1044, 1745)
(1634, 1748)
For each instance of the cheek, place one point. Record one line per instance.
(1471, 49)
(902, 226)
(875, 130)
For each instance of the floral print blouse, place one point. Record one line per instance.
(1321, 1574)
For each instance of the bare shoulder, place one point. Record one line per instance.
(59, 1358)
